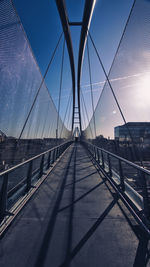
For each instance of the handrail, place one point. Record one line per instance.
(122, 159)
(137, 203)
(28, 177)
(31, 159)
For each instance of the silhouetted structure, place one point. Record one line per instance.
(138, 130)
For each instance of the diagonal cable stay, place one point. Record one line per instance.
(43, 79)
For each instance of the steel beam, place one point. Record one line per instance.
(75, 23)
(65, 24)
(87, 15)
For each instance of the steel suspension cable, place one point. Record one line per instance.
(114, 95)
(91, 88)
(124, 30)
(118, 47)
(45, 123)
(107, 79)
(122, 36)
(43, 79)
(83, 112)
(86, 113)
(68, 103)
(52, 124)
(69, 114)
(60, 88)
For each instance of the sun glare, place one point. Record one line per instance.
(143, 91)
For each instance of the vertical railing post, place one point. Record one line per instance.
(41, 166)
(97, 155)
(145, 194)
(102, 158)
(93, 151)
(29, 176)
(109, 165)
(58, 153)
(49, 160)
(90, 148)
(60, 150)
(54, 155)
(65, 147)
(121, 175)
(3, 197)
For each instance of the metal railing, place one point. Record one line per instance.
(130, 181)
(18, 180)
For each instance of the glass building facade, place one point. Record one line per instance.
(138, 130)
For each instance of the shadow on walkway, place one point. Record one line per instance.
(48, 234)
(142, 254)
(88, 235)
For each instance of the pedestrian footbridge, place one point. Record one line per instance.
(74, 218)
(74, 133)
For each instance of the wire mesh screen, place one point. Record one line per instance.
(127, 134)
(20, 79)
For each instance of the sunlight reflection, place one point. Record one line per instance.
(143, 91)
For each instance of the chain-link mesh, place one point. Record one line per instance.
(130, 80)
(20, 79)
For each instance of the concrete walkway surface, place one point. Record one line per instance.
(72, 220)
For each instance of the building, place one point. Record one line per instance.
(2, 136)
(138, 130)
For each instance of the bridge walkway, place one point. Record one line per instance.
(71, 220)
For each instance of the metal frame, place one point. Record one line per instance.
(65, 24)
(41, 167)
(88, 11)
(137, 204)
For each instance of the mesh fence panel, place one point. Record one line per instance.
(130, 80)
(20, 79)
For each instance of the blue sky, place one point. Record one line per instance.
(42, 25)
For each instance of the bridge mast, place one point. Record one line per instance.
(88, 11)
(87, 15)
(65, 24)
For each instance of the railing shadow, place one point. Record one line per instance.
(71, 213)
(81, 197)
(71, 167)
(48, 234)
(81, 179)
(86, 237)
(142, 254)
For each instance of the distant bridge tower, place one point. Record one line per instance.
(84, 24)
(76, 133)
